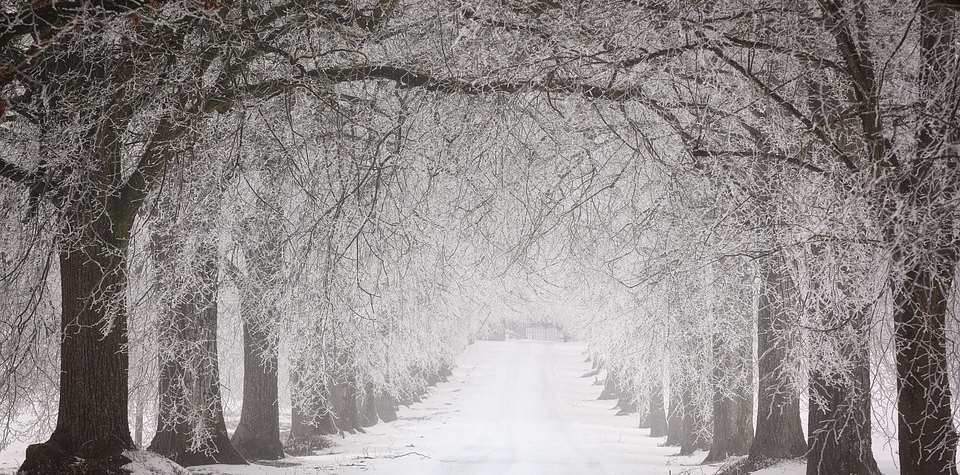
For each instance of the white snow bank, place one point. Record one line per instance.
(144, 462)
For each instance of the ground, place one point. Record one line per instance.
(515, 407)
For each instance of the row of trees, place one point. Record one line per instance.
(352, 168)
(818, 205)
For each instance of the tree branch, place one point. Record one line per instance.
(150, 166)
(787, 106)
(15, 173)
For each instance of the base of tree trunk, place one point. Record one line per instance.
(367, 407)
(386, 408)
(625, 406)
(747, 466)
(253, 447)
(306, 445)
(657, 418)
(444, 373)
(48, 459)
(610, 390)
(173, 446)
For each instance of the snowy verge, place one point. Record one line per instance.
(144, 462)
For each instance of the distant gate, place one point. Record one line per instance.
(544, 334)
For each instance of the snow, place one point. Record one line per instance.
(513, 407)
(12, 456)
(144, 462)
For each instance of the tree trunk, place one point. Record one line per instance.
(839, 411)
(692, 436)
(732, 397)
(841, 440)
(368, 406)
(349, 415)
(779, 434)
(611, 390)
(92, 415)
(306, 418)
(657, 417)
(927, 258)
(386, 407)
(927, 437)
(258, 434)
(190, 426)
(644, 422)
(674, 419)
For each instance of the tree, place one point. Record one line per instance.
(732, 378)
(261, 234)
(190, 426)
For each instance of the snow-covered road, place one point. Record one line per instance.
(510, 418)
(521, 407)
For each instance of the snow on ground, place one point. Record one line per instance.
(515, 407)
(12, 456)
(143, 462)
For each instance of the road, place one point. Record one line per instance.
(522, 407)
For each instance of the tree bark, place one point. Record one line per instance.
(839, 411)
(386, 407)
(927, 437)
(657, 418)
(368, 406)
(841, 440)
(611, 390)
(191, 430)
(258, 434)
(344, 414)
(732, 397)
(307, 418)
(779, 434)
(674, 419)
(92, 414)
(692, 437)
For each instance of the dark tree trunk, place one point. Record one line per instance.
(611, 390)
(644, 422)
(692, 433)
(732, 397)
(779, 434)
(368, 406)
(927, 257)
(733, 364)
(927, 437)
(343, 415)
(191, 430)
(349, 415)
(841, 440)
(92, 415)
(307, 428)
(657, 417)
(258, 434)
(626, 405)
(445, 372)
(839, 411)
(386, 407)
(674, 420)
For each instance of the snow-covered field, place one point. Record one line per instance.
(515, 407)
